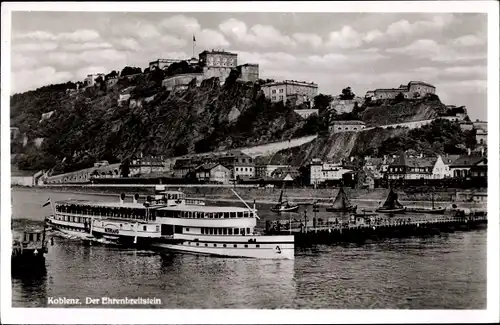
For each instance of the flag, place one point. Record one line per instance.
(194, 39)
(47, 203)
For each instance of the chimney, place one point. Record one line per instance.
(468, 151)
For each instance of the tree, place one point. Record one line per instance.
(399, 98)
(347, 94)
(416, 95)
(322, 102)
(125, 167)
(127, 71)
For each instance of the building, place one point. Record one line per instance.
(463, 166)
(322, 172)
(305, 113)
(184, 166)
(345, 105)
(410, 168)
(481, 137)
(147, 165)
(346, 126)
(414, 89)
(213, 173)
(217, 63)
(101, 163)
(162, 63)
(286, 173)
(279, 91)
(125, 95)
(91, 78)
(240, 164)
(249, 72)
(263, 171)
(181, 81)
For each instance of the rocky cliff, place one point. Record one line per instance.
(89, 125)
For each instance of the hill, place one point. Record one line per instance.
(392, 111)
(89, 125)
(439, 137)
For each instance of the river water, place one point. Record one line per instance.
(447, 271)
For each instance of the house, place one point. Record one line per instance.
(286, 173)
(238, 163)
(481, 137)
(323, 172)
(214, 173)
(147, 165)
(183, 166)
(465, 165)
(420, 167)
(265, 170)
(101, 163)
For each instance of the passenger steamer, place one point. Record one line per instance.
(172, 221)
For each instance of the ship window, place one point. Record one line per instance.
(230, 231)
(246, 246)
(197, 244)
(157, 228)
(233, 214)
(206, 245)
(224, 245)
(224, 231)
(202, 231)
(236, 231)
(235, 245)
(211, 231)
(215, 245)
(240, 214)
(187, 229)
(144, 228)
(257, 245)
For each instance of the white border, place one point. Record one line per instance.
(109, 316)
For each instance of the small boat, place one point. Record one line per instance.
(284, 206)
(392, 204)
(29, 248)
(433, 210)
(341, 203)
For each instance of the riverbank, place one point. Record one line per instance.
(263, 195)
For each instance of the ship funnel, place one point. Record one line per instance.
(122, 197)
(136, 197)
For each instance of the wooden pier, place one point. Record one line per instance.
(359, 229)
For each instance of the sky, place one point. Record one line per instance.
(361, 50)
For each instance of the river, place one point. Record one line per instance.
(447, 271)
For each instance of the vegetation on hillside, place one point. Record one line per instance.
(90, 126)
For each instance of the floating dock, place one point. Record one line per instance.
(361, 229)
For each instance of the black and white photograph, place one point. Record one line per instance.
(250, 157)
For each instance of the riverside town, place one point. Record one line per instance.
(256, 171)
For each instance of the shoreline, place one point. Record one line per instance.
(260, 196)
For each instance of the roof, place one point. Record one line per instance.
(421, 82)
(109, 204)
(348, 122)
(449, 159)
(208, 166)
(467, 161)
(203, 208)
(217, 52)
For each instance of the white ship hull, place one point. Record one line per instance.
(264, 247)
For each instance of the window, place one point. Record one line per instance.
(187, 229)
(236, 231)
(197, 244)
(215, 245)
(248, 230)
(224, 245)
(246, 246)
(144, 228)
(281, 97)
(274, 97)
(224, 231)
(281, 90)
(257, 245)
(235, 245)
(230, 231)
(274, 91)
(206, 245)
(211, 231)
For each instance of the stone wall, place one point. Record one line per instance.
(249, 72)
(182, 80)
